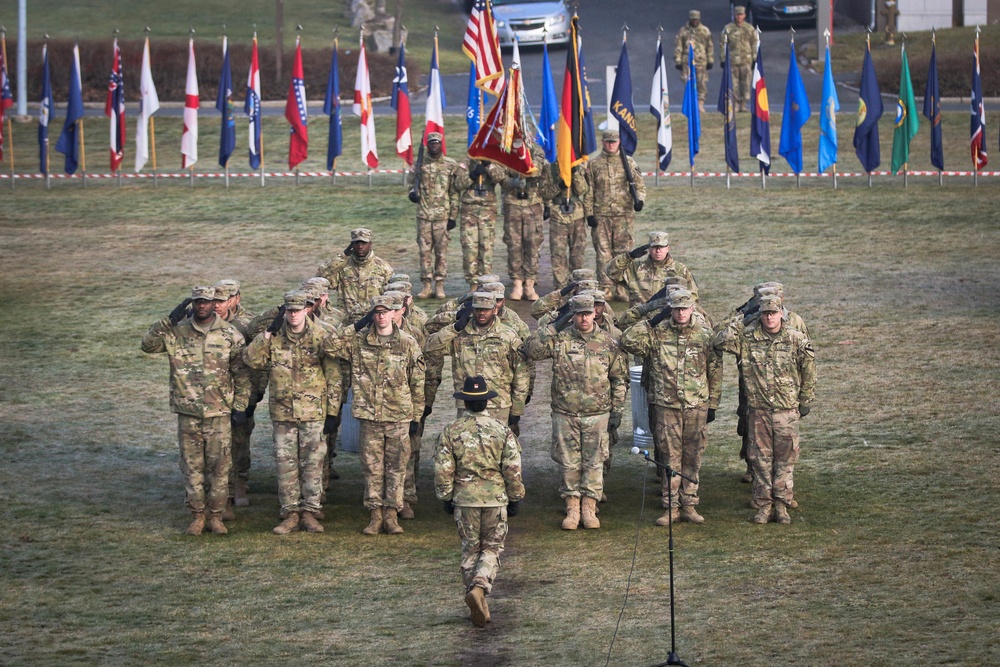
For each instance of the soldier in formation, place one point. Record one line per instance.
(567, 229)
(700, 37)
(357, 275)
(475, 182)
(741, 37)
(523, 212)
(437, 201)
(641, 271)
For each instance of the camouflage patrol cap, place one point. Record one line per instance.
(659, 239)
(586, 286)
(769, 291)
(202, 293)
(582, 303)
(496, 288)
(225, 289)
(484, 300)
(739, 9)
(599, 295)
(673, 287)
(674, 280)
(317, 283)
(398, 298)
(399, 286)
(681, 298)
(694, 14)
(610, 135)
(770, 304)
(770, 284)
(434, 136)
(400, 278)
(486, 279)
(296, 300)
(385, 301)
(361, 234)
(583, 274)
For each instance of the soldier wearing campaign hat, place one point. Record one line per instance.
(209, 392)
(589, 386)
(357, 275)
(696, 34)
(437, 210)
(642, 276)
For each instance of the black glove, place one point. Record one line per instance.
(636, 253)
(679, 67)
(449, 507)
(803, 410)
(710, 65)
(365, 321)
(614, 421)
(238, 417)
(660, 316)
(513, 508)
(275, 325)
(563, 321)
(637, 206)
(451, 224)
(427, 413)
(478, 169)
(659, 295)
(565, 291)
(591, 221)
(462, 317)
(465, 298)
(527, 399)
(349, 249)
(514, 422)
(654, 304)
(414, 196)
(414, 428)
(330, 424)
(178, 313)
(250, 410)
(546, 213)
(711, 416)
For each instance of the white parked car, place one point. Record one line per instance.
(533, 21)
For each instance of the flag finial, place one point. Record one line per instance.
(191, 32)
(224, 30)
(115, 32)
(624, 32)
(146, 31)
(791, 33)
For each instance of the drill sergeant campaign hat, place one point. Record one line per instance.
(770, 304)
(296, 300)
(484, 300)
(386, 301)
(659, 239)
(582, 303)
(361, 234)
(225, 289)
(203, 293)
(475, 389)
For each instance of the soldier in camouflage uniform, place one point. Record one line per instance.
(229, 308)
(567, 228)
(742, 40)
(609, 207)
(589, 384)
(686, 384)
(304, 390)
(209, 392)
(387, 374)
(693, 32)
(644, 276)
(481, 345)
(779, 371)
(452, 305)
(477, 473)
(523, 211)
(322, 309)
(358, 275)
(437, 210)
(475, 183)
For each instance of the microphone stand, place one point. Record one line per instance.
(672, 657)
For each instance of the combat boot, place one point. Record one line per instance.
(476, 599)
(763, 513)
(748, 475)
(529, 290)
(215, 524)
(240, 493)
(407, 511)
(517, 291)
(690, 514)
(391, 524)
(425, 293)
(290, 524)
(439, 290)
(572, 520)
(781, 514)
(588, 509)
(701, 106)
(197, 524)
(374, 526)
(309, 522)
(672, 515)
(228, 514)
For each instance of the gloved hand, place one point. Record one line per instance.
(592, 221)
(451, 224)
(365, 321)
(330, 424)
(636, 253)
(178, 313)
(614, 421)
(565, 291)
(563, 320)
(478, 169)
(514, 422)
(679, 67)
(349, 249)
(654, 304)
(449, 507)
(275, 325)
(465, 298)
(546, 213)
(462, 317)
(513, 508)
(527, 399)
(711, 416)
(637, 206)
(251, 409)
(414, 428)
(660, 316)
(803, 410)
(238, 417)
(710, 65)
(427, 413)
(414, 196)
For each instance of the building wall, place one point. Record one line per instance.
(927, 14)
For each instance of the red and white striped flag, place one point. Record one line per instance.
(114, 108)
(189, 139)
(435, 100)
(363, 107)
(483, 48)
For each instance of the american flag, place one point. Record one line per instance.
(295, 113)
(483, 47)
(114, 108)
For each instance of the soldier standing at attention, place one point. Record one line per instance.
(698, 35)
(779, 372)
(567, 230)
(643, 277)
(437, 210)
(589, 382)
(609, 207)
(686, 385)
(476, 182)
(742, 40)
(387, 374)
(477, 473)
(523, 211)
(357, 275)
(209, 392)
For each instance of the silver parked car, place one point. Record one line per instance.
(530, 19)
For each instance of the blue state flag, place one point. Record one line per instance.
(727, 108)
(622, 108)
(796, 114)
(932, 110)
(331, 107)
(589, 134)
(866, 143)
(44, 114)
(689, 107)
(224, 103)
(473, 106)
(550, 109)
(828, 119)
(68, 144)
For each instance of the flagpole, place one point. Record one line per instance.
(260, 120)
(83, 154)
(298, 41)
(975, 154)
(48, 177)
(656, 158)
(10, 127)
(225, 43)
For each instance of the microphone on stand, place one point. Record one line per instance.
(644, 452)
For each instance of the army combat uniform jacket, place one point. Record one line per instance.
(609, 194)
(354, 281)
(477, 463)
(439, 200)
